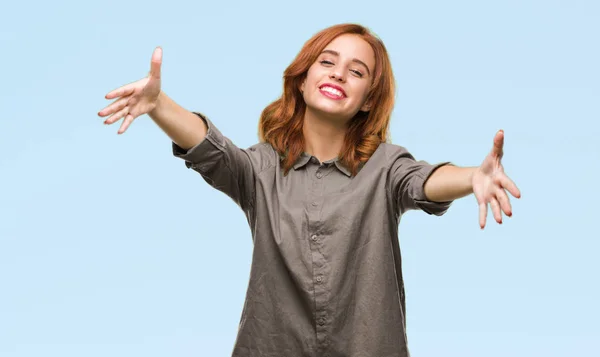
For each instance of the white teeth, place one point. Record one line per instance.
(332, 91)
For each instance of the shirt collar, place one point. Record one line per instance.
(305, 158)
(302, 161)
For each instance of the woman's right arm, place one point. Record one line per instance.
(195, 139)
(145, 97)
(184, 128)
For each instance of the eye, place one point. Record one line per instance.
(326, 62)
(356, 72)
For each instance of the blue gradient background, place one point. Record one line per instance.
(109, 246)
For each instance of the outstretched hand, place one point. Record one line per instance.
(490, 184)
(135, 99)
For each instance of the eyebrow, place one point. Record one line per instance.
(356, 60)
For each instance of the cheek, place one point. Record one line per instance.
(311, 77)
(362, 92)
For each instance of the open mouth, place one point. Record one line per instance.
(333, 92)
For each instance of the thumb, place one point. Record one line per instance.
(498, 143)
(155, 63)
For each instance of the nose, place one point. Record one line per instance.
(336, 75)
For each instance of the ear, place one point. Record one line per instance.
(302, 86)
(366, 106)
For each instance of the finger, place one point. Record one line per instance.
(117, 116)
(121, 91)
(502, 198)
(114, 106)
(482, 214)
(498, 143)
(495, 206)
(155, 63)
(126, 123)
(510, 186)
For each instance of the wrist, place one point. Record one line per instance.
(472, 175)
(158, 104)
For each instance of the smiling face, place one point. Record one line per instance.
(337, 84)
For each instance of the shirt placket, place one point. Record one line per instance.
(320, 266)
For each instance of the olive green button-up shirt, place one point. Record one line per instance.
(326, 272)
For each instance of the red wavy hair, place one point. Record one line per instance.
(281, 121)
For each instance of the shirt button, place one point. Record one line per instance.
(319, 279)
(321, 321)
(314, 237)
(319, 174)
(314, 204)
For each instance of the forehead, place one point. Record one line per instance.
(353, 46)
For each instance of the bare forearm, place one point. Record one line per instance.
(449, 183)
(184, 128)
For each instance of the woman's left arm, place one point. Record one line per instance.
(488, 182)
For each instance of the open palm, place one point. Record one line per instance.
(134, 99)
(490, 184)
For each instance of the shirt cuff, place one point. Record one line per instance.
(421, 201)
(213, 143)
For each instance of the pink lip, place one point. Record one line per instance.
(329, 95)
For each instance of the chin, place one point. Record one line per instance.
(328, 108)
(331, 114)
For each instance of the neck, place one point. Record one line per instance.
(323, 138)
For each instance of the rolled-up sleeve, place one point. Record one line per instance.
(407, 178)
(223, 165)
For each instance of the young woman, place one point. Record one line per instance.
(323, 194)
